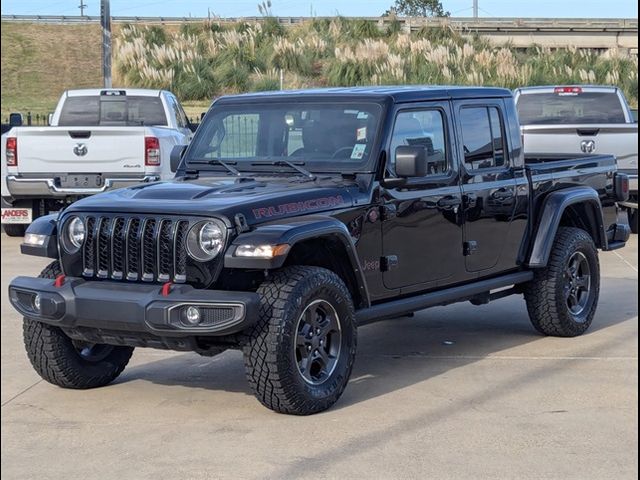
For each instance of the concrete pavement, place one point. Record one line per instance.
(456, 392)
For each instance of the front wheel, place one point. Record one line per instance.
(69, 363)
(299, 356)
(562, 298)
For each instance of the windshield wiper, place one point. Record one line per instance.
(216, 161)
(296, 166)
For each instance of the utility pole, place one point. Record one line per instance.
(475, 8)
(105, 23)
(82, 6)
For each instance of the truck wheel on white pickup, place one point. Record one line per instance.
(633, 220)
(562, 298)
(298, 358)
(65, 362)
(14, 230)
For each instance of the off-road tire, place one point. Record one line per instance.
(545, 294)
(57, 360)
(269, 348)
(14, 230)
(633, 220)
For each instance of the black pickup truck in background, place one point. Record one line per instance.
(295, 217)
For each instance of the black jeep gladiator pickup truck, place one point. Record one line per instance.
(295, 217)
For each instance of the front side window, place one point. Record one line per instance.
(482, 137)
(316, 134)
(423, 128)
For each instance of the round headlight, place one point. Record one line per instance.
(74, 235)
(205, 241)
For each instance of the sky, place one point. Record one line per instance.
(299, 8)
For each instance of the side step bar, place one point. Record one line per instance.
(460, 293)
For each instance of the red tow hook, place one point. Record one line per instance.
(59, 281)
(166, 289)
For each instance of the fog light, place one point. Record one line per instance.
(37, 303)
(192, 315)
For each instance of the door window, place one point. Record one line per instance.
(423, 128)
(482, 137)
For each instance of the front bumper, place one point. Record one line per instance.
(133, 308)
(22, 187)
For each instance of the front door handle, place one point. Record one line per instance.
(448, 202)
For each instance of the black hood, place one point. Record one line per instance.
(259, 200)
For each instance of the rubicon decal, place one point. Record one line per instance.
(298, 207)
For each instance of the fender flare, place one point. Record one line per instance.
(47, 226)
(553, 209)
(291, 232)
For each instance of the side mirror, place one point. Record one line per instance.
(176, 156)
(50, 119)
(15, 119)
(411, 161)
(202, 114)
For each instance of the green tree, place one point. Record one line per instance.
(419, 8)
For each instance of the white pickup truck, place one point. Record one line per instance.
(98, 140)
(579, 119)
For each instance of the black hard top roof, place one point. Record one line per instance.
(397, 94)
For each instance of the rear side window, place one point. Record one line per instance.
(93, 111)
(561, 108)
(482, 137)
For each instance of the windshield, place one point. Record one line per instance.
(108, 110)
(323, 136)
(558, 108)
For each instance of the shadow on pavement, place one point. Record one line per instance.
(438, 340)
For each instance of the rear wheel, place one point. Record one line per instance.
(299, 356)
(15, 230)
(562, 298)
(70, 363)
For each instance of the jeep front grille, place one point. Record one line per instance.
(135, 248)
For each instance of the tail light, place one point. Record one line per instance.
(151, 151)
(621, 186)
(12, 152)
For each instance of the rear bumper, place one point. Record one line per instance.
(21, 187)
(133, 308)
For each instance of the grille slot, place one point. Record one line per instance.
(104, 247)
(89, 251)
(135, 248)
(148, 250)
(117, 249)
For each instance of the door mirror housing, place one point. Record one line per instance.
(175, 158)
(411, 161)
